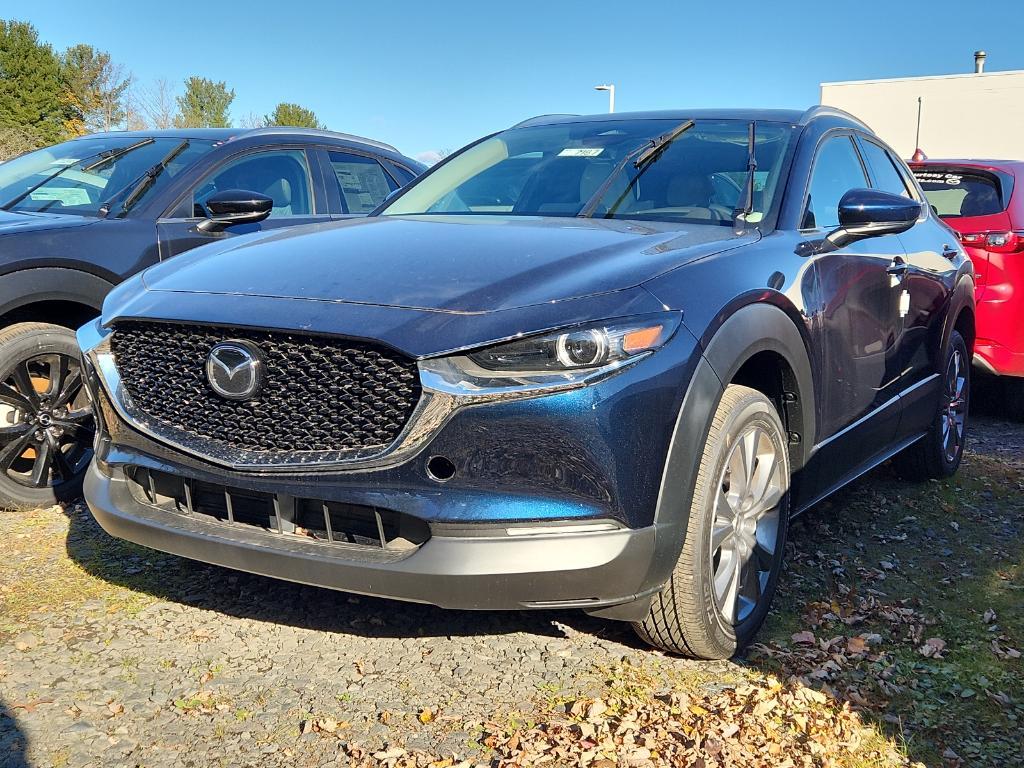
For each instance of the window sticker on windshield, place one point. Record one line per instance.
(66, 196)
(951, 179)
(581, 152)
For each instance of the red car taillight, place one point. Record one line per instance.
(998, 242)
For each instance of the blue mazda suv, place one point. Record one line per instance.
(585, 362)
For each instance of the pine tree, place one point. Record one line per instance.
(293, 115)
(204, 104)
(32, 96)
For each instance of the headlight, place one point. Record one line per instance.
(588, 347)
(549, 362)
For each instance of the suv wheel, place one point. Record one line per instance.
(720, 590)
(939, 452)
(46, 423)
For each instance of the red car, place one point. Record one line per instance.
(983, 201)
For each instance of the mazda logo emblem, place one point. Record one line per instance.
(234, 369)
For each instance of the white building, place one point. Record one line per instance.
(975, 115)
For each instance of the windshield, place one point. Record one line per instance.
(554, 170)
(60, 182)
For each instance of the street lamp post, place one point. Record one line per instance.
(610, 87)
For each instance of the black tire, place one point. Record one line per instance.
(46, 426)
(689, 615)
(931, 457)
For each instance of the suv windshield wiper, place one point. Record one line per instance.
(94, 161)
(139, 186)
(641, 157)
(745, 204)
(659, 143)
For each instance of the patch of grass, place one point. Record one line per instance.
(951, 552)
(37, 576)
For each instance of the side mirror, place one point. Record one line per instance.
(235, 206)
(869, 213)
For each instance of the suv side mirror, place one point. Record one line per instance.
(235, 206)
(871, 212)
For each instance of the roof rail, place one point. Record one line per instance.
(823, 110)
(537, 120)
(273, 130)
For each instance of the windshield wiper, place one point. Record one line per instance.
(659, 143)
(745, 204)
(95, 161)
(139, 187)
(641, 157)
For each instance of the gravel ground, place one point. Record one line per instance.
(115, 655)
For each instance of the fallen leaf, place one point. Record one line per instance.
(856, 645)
(804, 638)
(425, 716)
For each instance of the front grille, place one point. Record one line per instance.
(310, 520)
(320, 394)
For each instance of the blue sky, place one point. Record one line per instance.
(430, 76)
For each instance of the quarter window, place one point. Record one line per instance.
(887, 178)
(837, 170)
(282, 175)
(362, 182)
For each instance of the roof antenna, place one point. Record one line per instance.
(918, 154)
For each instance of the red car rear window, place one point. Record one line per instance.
(962, 191)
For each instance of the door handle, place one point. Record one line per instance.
(898, 267)
(949, 251)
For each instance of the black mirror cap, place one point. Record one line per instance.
(865, 207)
(235, 206)
(867, 213)
(235, 201)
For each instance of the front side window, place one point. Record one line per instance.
(590, 168)
(837, 170)
(887, 178)
(957, 192)
(362, 182)
(281, 175)
(81, 177)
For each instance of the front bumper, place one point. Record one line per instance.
(591, 457)
(486, 570)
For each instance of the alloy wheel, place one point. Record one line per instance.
(954, 413)
(46, 424)
(745, 533)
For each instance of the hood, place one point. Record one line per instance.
(457, 264)
(15, 222)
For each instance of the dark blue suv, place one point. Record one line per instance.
(589, 362)
(79, 217)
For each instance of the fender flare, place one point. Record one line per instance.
(30, 286)
(753, 328)
(960, 299)
(764, 327)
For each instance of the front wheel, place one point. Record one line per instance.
(46, 423)
(722, 585)
(938, 453)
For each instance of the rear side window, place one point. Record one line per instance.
(957, 192)
(837, 170)
(362, 181)
(886, 177)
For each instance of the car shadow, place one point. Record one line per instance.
(259, 598)
(13, 743)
